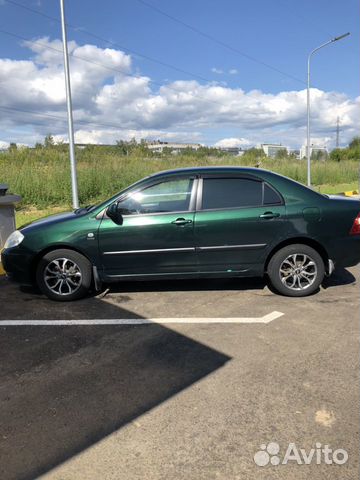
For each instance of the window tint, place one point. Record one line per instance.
(271, 197)
(231, 193)
(172, 196)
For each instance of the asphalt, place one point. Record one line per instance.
(184, 401)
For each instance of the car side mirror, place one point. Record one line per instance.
(113, 212)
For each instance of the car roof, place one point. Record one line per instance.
(211, 170)
(277, 180)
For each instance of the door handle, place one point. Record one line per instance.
(270, 215)
(181, 221)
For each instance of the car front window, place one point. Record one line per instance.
(164, 197)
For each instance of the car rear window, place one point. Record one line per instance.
(231, 193)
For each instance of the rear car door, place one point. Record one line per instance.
(157, 234)
(237, 220)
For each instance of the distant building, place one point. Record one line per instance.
(315, 152)
(81, 146)
(158, 146)
(235, 151)
(271, 149)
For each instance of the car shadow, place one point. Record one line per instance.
(64, 388)
(196, 285)
(341, 276)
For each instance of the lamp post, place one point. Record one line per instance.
(74, 187)
(335, 39)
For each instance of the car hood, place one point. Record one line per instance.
(52, 219)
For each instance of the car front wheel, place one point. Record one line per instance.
(64, 275)
(296, 270)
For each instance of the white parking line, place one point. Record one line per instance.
(143, 321)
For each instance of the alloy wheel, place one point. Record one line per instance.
(63, 276)
(298, 271)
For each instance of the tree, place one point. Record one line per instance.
(13, 147)
(355, 143)
(351, 152)
(132, 147)
(336, 154)
(318, 154)
(122, 147)
(142, 148)
(49, 141)
(254, 154)
(281, 154)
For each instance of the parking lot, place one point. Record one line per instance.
(187, 400)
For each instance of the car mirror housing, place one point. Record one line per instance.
(114, 212)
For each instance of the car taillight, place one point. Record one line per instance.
(355, 229)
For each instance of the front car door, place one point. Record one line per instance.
(237, 220)
(157, 233)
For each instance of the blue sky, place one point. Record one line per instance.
(278, 33)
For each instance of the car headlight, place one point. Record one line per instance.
(14, 239)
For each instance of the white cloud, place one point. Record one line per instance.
(232, 142)
(96, 136)
(233, 71)
(115, 96)
(217, 70)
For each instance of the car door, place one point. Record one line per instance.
(236, 222)
(157, 233)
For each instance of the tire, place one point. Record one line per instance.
(296, 270)
(64, 275)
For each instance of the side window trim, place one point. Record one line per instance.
(198, 204)
(193, 195)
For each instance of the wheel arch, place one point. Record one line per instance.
(51, 248)
(310, 242)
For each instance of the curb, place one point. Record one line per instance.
(349, 193)
(2, 271)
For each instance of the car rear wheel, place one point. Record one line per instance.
(296, 270)
(64, 275)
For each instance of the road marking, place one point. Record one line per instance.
(143, 321)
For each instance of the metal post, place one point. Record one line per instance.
(74, 187)
(308, 125)
(308, 148)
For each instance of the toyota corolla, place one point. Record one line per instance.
(191, 223)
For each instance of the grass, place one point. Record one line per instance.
(27, 215)
(30, 214)
(339, 188)
(42, 176)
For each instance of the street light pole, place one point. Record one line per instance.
(74, 187)
(335, 39)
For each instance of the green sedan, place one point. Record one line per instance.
(191, 223)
